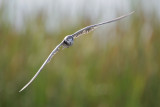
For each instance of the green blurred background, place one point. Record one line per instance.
(117, 65)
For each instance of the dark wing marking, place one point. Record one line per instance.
(92, 27)
(46, 61)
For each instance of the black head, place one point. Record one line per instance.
(68, 40)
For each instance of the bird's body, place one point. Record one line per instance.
(68, 41)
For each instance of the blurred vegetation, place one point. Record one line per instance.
(125, 72)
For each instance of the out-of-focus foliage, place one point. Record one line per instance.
(124, 73)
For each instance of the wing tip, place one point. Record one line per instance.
(131, 12)
(22, 89)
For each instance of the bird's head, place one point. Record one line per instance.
(68, 40)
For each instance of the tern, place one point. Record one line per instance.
(68, 41)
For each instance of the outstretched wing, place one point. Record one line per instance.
(46, 61)
(92, 27)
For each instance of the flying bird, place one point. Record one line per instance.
(68, 41)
